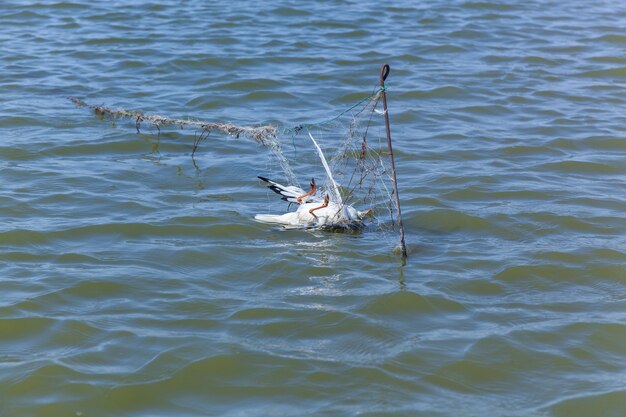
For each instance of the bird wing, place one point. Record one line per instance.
(335, 190)
(289, 193)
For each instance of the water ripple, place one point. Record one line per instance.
(136, 282)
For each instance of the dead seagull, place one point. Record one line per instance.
(314, 211)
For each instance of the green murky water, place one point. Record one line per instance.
(134, 283)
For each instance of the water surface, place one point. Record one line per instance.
(135, 283)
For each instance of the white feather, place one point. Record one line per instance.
(336, 196)
(334, 215)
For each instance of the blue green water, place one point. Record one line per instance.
(135, 283)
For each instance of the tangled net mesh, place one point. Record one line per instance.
(353, 143)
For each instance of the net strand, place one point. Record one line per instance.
(264, 135)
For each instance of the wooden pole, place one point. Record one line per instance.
(383, 76)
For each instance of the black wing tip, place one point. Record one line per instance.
(276, 189)
(264, 179)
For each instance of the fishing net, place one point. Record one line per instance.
(353, 143)
(355, 146)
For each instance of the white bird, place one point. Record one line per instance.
(314, 211)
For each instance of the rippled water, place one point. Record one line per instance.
(134, 284)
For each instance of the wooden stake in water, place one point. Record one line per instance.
(383, 76)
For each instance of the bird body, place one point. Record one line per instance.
(313, 211)
(327, 212)
(332, 215)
